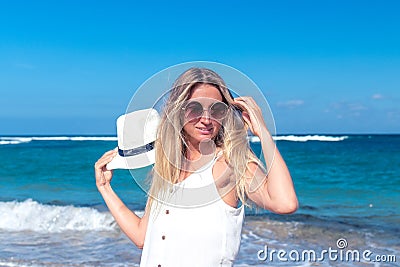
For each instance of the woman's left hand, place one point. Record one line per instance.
(252, 114)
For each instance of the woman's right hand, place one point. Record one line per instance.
(104, 176)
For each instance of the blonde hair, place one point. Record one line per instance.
(170, 145)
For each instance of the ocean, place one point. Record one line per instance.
(348, 188)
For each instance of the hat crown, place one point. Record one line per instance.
(137, 128)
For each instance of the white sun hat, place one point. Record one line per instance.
(136, 132)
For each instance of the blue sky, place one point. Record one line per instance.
(71, 67)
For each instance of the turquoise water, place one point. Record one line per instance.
(51, 213)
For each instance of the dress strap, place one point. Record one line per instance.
(219, 154)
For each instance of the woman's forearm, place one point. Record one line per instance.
(131, 224)
(279, 185)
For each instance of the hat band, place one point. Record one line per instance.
(136, 151)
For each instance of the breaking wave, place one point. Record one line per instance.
(20, 140)
(302, 138)
(30, 215)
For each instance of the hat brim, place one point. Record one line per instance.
(132, 162)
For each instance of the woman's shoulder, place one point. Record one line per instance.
(221, 164)
(220, 157)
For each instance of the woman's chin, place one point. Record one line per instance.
(205, 137)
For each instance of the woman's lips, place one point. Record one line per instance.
(205, 130)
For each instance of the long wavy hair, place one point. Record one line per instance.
(170, 145)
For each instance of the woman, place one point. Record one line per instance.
(203, 168)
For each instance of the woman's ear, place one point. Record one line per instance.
(246, 119)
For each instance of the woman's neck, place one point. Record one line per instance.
(196, 151)
(197, 155)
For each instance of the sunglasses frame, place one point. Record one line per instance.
(209, 110)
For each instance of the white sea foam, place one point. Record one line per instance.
(30, 215)
(302, 138)
(94, 138)
(10, 142)
(18, 263)
(15, 263)
(18, 140)
(14, 140)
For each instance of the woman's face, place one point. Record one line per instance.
(206, 126)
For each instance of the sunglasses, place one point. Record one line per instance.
(195, 110)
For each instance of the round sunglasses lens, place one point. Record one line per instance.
(193, 110)
(218, 110)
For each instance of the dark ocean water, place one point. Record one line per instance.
(348, 187)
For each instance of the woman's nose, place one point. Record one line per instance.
(205, 117)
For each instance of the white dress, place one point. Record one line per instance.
(194, 227)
